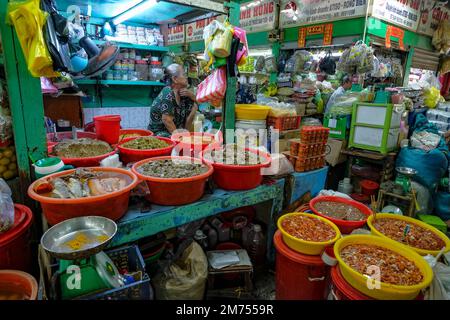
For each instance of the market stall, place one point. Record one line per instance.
(317, 151)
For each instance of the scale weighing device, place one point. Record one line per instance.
(404, 176)
(83, 267)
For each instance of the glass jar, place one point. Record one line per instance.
(132, 54)
(156, 71)
(117, 75)
(125, 76)
(118, 65)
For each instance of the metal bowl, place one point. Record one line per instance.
(79, 238)
(406, 171)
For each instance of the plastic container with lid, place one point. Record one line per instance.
(299, 276)
(156, 71)
(142, 69)
(345, 186)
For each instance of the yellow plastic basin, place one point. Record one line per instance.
(424, 225)
(303, 246)
(385, 291)
(251, 112)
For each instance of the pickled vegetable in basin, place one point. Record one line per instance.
(237, 176)
(84, 192)
(347, 214)
(192, 143)
(140, 148)
(133, 133)
(173, 180)
(307, 233)
(397, 272)
(416, 235)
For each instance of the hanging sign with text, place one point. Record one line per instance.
(194, 30)
(176, 35)
(431, 14)
(403, 13)
(296, 13)
(325, 29)
(258, 15)
(398, 33)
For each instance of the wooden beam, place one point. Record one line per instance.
(202, 4)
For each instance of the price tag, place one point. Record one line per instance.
(332, 123)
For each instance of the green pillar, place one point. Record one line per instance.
(26, 103)
(228, 116)
(408, 67)
(276, 47)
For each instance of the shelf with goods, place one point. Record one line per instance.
(120, 82)
(126, 45)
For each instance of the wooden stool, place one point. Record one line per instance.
(406, 201)
(244, 268)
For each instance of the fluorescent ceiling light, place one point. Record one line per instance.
(130, 13)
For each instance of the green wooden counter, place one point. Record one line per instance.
(136, 225)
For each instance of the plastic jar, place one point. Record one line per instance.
(110, 75)
(142, 70)
(131, 64)
(125, 54)
(118, 65)
(132, 54)
(124, 76)
(156, 71)
(345, 186)
(117, 75)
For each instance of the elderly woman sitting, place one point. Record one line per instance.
(175, 106)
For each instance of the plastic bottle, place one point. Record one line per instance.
(257, 246)
(212, 236)
(201, 238)
(345, 186)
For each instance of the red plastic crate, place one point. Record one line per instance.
(284, 123)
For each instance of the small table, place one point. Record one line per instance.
(387, 161)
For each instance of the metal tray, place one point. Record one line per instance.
(79, 237)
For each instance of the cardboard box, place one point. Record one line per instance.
(333, 149)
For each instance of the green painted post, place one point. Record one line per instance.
(228, 116)
(408, 67)
(26, 103)
(276, 47)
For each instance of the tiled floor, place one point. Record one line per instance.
(137, 118)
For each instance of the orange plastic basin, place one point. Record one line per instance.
(128, 155)
(137, 132)
(174, 192)
(112, 205)
(192, 148)
(81, 162)
(17, 285)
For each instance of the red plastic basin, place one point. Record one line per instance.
(174, 192)
(298, 276)
(236, 177)
(133, 155)
(344, 226)
(81, 162)
(15, 250)
(112, 205)
(194, 149)
(140, 132)
(17, 285)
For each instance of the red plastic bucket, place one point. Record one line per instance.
(107, 128)
(299, 276)
(369, 187)
(342, 290)
(15, 250)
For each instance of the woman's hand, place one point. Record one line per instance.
(187, 93)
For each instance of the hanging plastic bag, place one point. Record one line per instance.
(47, 86)
(185, 278)
(28, 20)
(220, 45)
(6, 207)
(432, 97)
(242, 53)
(213, 88)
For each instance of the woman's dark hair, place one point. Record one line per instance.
(171, 71)
(346, 79)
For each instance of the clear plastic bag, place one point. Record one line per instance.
(270, 64)
(6, 207)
